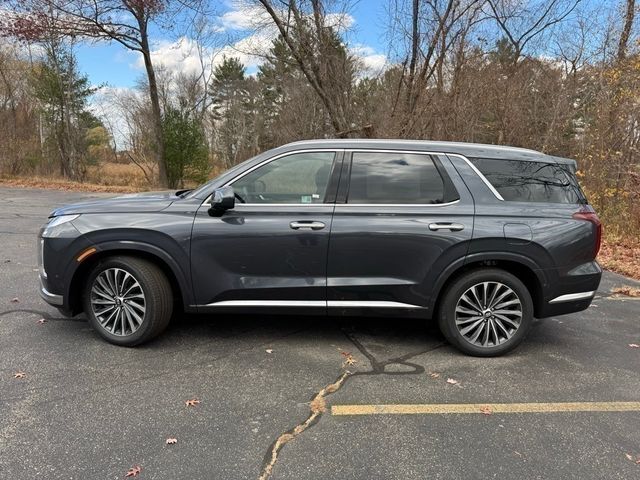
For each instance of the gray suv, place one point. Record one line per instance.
(481, 238)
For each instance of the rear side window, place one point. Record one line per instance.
(524, 181)
(398, 178)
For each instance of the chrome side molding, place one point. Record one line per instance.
(313, 303)
(570, 297)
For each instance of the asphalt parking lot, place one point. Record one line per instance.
(86, 409)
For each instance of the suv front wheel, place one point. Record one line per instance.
(486, 312)
(128, 300)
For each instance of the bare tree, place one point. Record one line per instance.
(317, 51)
(126, 22)
(435, 26)
(522, 21)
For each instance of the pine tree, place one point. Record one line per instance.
(63, 95)
(230, 109)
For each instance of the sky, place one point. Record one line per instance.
(111, 65)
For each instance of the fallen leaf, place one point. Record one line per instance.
(434, 375)
(348, 359)
(192, 403)
(452, 381)
(486, 410)
(42, 321)
(634, 345)
(269, 350)
(133, 471)
(171, 441)
(19, 375)
(15, 300)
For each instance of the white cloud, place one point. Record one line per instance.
(373, 63)
(243, 17)
(183, 55)
(251, 17)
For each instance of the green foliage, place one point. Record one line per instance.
(233, 111)
(63, 94)
(186, 151)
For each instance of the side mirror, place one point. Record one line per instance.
(223, 199)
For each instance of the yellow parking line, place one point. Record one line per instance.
(444, 408)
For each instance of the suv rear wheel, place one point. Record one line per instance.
(486, 312)
(128, 300)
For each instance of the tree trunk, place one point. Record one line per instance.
(156, 111)
(626, 30)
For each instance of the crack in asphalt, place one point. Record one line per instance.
(318, 407)
(46, 315)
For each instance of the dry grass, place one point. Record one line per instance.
(107, 177)
(626, 291)
(621, 255)
(118, 174)
(62, 184)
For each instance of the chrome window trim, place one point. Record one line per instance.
(206, 202)
(570, 297)
(403, 205)
(481, 175)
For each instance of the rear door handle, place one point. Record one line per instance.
(307, 225)
(454, 227)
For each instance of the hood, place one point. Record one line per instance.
(131, 203)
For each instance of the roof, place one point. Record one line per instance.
(461, 148)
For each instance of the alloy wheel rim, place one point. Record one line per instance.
(488, 314)
(118, 302)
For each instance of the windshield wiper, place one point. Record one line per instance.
(182, 193)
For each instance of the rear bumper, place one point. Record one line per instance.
(570, 291)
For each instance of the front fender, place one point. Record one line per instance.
(176, 261)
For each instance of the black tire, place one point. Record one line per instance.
(158, 300)
(453, 294)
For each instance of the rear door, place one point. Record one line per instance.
(401, 218)
(271, 249)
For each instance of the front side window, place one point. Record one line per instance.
(527, 181)
(299, 178)
(397, 178)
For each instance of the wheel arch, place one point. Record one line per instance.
(522, 267)
(178, 280)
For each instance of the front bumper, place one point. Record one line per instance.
(50, 298)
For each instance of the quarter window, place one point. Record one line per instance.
(397, 178)
(297, 178)
(526, 181)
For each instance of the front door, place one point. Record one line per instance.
(400, 219)
(271, 249)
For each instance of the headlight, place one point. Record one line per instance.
(60, 227)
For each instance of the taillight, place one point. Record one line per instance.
(591, 216)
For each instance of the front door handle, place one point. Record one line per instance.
(454, 227)
(307, 225)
